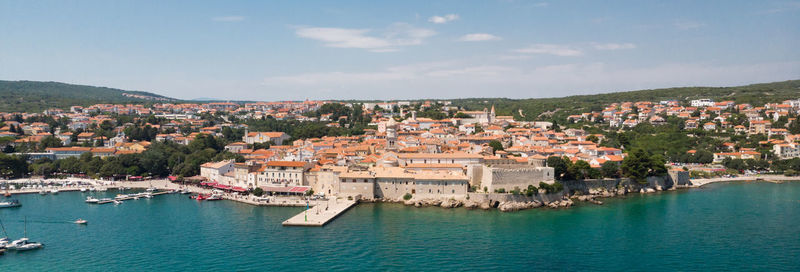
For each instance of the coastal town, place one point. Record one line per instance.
(384, 151)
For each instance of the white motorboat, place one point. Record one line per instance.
(117, 202)
(10, 203)
(92, 189)
(4, 242)
(24, 244)
(83, 189)
(185, 192)
(42, 192)
(214, 196)
(147, 195)
(81, 222)
(90, 199)
(121, 196)
(151, 189)
(54, 191)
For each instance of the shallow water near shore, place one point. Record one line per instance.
(731, 226)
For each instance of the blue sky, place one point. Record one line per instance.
(294, 50)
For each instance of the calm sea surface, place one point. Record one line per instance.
(734, 226)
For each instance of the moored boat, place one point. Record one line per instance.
(24, 244)
(90, 199)
(10, 204)
(214, 197)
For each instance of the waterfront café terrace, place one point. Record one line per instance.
(216, 185)
(286, 190)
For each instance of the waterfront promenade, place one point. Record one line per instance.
(769, 178)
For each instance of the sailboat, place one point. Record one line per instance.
(4, 241)
(23, 243)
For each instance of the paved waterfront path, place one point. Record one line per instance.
(770, 178)
(321, 214)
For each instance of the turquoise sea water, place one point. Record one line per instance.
(734, 226)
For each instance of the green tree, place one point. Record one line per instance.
(610, 169)
(258, 191)
(50, 141)
(12, 166)
(559, 167)
(496, 145)
(636, 165)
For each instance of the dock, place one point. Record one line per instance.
(131, 197)
(320, 214)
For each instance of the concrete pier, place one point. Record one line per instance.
(320, 214)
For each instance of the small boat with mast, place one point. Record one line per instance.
(24, 244)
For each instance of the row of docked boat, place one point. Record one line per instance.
(118, 198)
(207, 197)
(51, 191)
(93, 189)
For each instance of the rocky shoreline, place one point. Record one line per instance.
(564, 201)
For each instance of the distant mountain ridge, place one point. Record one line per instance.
(37, 96)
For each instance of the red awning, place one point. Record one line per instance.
(286, 189)
(299, 189)
(172, 178)
(221, 186)
(239, 189)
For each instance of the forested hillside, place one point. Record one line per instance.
(548, 108)
(36, 96)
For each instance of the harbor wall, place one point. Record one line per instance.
(497, 197)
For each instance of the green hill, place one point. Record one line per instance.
(560, 108)
(36, 96)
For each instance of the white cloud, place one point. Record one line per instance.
(551, 49)
(388, 40)
(228, 19)
(473, 71)
(514, 57)
(688, 24)
(443, 19)
(479, 37)
(613, 46)
(782, 7)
